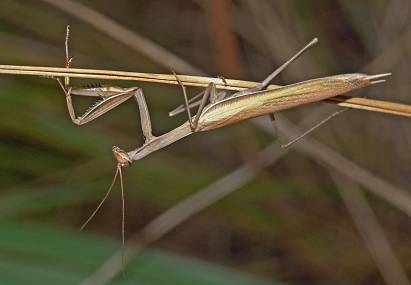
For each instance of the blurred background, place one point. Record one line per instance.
(332, 209)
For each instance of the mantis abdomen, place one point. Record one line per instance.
(243, 107)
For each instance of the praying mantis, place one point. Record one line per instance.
(215, 109)
(221, 110)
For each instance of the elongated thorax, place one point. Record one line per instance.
(238, 108)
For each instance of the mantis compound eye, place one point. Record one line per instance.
(122, 157)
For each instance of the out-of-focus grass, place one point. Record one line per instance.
(39, 254)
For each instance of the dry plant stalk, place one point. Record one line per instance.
(198, 81)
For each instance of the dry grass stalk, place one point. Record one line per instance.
(198, 81)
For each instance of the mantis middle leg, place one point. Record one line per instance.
(193, 102)
(209, 94)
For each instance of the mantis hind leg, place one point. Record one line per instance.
(274, 123)
(310, 130)
(264, 84)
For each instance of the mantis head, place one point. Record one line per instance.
(357, 80)
(123, 159)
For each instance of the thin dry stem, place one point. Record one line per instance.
(199, 81)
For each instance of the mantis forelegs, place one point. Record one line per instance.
(111, 98)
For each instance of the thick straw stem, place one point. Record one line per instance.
(199, 81)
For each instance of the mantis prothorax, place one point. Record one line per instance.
(215, 108)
